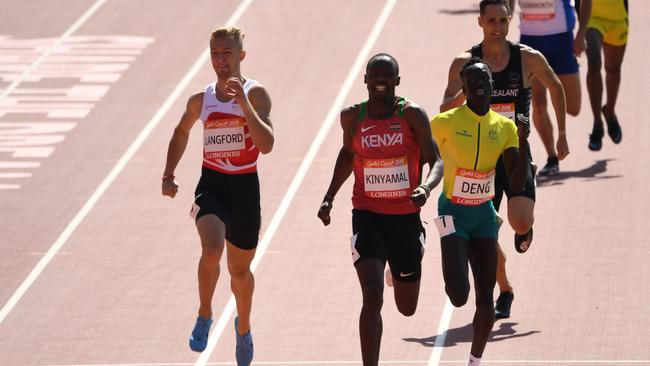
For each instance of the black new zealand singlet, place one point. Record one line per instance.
(509, 95)
(509, 98)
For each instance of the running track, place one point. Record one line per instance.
(97, 268)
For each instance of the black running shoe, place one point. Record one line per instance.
(552, 167)
(504, 302)
(522, 242)
(613, 128)
(596, 137)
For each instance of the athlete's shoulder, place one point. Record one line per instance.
(448, 114)
(529, 53)
(414, 113)
(350, 113)
(256, 88)
(460, 60)
(412, 107)
(195, 102)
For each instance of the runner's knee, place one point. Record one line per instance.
(485, 307)
(572, 109)
(521, 224)
(613, 69)
(407, 310)
(373, 298)
(211, 254)
(458, 294)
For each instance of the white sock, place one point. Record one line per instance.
(473, 361)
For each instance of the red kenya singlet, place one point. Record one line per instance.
(227, 144)
(386, 163)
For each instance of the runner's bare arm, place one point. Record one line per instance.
(257, 111)
(178, 142)
(516, 160)
(454, 96)
(584, 13)
(419, 122)
(537, 67)
(344, 162)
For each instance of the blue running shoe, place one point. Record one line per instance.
(199, 337)
(244, 350)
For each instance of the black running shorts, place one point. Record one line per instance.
(501, 185)
(398, 239)
(235, 199)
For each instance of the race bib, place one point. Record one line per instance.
(386, 178)
(505, 109)
(445, 225)
(224, 138)
(537, 9)
(471, 187)
(194, 211)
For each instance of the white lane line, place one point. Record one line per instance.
(73, 28)
(112, 175)
(441, 335)
(302, 171)
(358, 362)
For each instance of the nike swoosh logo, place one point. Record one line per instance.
(402, 274)
(364, 129)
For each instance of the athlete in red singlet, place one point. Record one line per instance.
(236, 127)
(386, 140)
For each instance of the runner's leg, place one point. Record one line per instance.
(212, 233)
(613, 60)
(454, 252)
(483, 259)
(371, 278)
(242, 283)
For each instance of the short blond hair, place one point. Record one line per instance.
(236, 33)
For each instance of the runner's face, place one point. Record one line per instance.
(477, 82)
(381, 78)
(495, 22)
(226, 55)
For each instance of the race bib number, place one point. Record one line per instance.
(445, 225)
(505, 109)
(224, 138)
(386, 178)
(537, 9)
(471, 187)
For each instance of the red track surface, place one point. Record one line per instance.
(121, 289)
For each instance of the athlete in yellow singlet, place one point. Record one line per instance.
(471, 138)
(607, 31)
(471, 143)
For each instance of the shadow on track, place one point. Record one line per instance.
(589, 173)
(464, 335)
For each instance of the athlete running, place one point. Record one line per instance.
(607, 31)
(514, 66)
(386, 140)
(236, 128)
(472, 138)
(547, 26)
